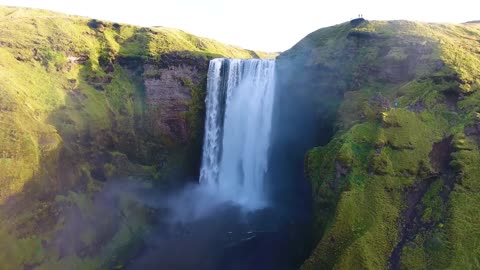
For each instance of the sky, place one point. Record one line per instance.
(266, 25)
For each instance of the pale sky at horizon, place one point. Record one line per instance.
(266, 25)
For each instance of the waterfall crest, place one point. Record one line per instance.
(239, 107)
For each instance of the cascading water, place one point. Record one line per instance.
(239, 104)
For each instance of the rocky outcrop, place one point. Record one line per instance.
(168, 97)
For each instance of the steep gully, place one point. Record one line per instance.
(231, 219)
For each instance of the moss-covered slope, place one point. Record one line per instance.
(397, 185)
(83, 103)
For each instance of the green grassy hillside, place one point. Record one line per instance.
(396, 106)
(73, 116)
(397, 186)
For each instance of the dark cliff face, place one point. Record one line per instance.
(173, 93)
(386, 103)
(168, 94)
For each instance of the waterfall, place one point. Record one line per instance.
(239, 108)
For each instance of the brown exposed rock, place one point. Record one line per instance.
(168, 97)
(440, 156)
